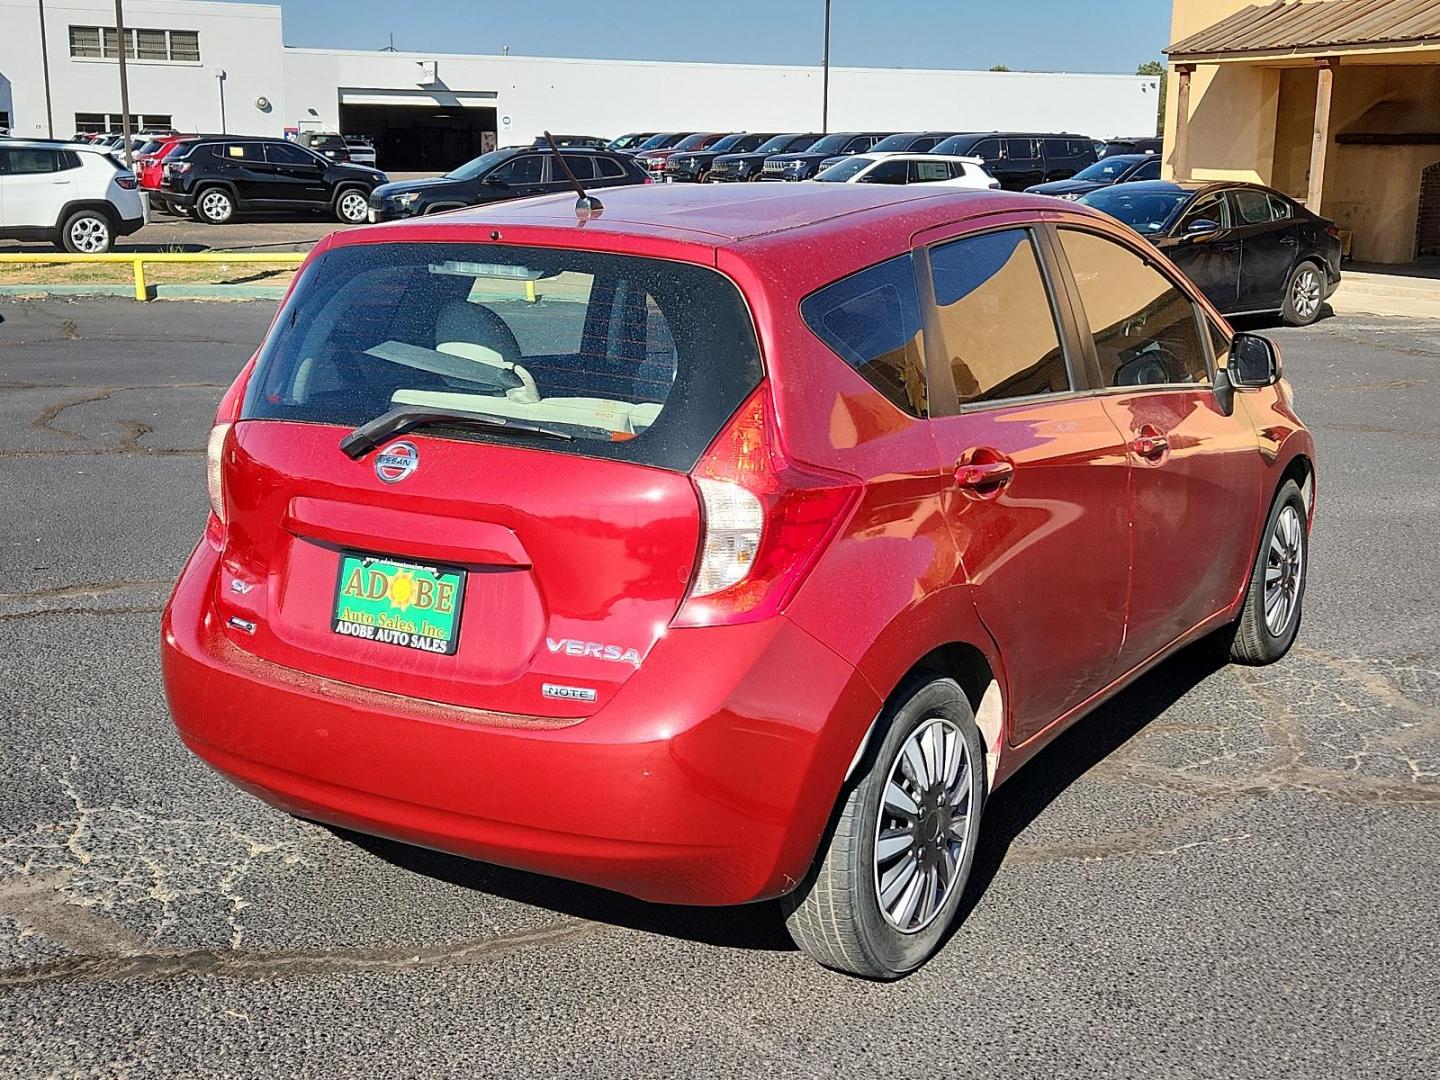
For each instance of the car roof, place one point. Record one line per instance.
(56, 144)
(717, 214)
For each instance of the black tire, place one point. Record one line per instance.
(1256, 640)
(1304, 294)
(87, 232)
(835, 915)
(214, 206)
(352, 206)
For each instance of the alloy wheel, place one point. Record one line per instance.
(215, 205)
(353, 206)
(1284, 571)
(921, 836)
(90, 235)
(1305, 294)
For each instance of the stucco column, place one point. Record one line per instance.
(1180, 157)
(1324, 88)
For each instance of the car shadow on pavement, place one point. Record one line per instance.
(761, 926)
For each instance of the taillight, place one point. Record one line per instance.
(766, 521)
(214, 478)
(1333, 230)
(226, 414)
(126, 181)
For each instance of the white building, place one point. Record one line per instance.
(202, 66)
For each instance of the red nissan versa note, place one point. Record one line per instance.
(733, 544)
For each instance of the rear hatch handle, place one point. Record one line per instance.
(408, 417)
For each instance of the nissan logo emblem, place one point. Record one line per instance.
(396, 462)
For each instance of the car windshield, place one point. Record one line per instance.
(1146, 211)
(635, 359)
(901, 141)
(475, 167)
(779, 144)
(627, 142)
(830, 144)
(956, 144)
(728, 142)
(844, 170)
(660, 141)
(1106, 169)
(692, 142)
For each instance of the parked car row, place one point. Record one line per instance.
(1016, 159)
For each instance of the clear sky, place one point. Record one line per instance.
(1048, 35)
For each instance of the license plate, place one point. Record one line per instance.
(390, 602)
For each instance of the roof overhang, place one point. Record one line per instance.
(1364, 30)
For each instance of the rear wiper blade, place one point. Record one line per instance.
(408, 417)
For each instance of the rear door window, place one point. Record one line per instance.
(241, 152)
(996, 319)
(926, 172)
(582, 165)
(1020, 150)
(635, 359)
(1251, 207)
(871, 320)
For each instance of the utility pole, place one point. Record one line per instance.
(825, 77)
(124, 84)
(45, 68)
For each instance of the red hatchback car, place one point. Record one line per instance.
(732, 544)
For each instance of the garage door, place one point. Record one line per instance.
(421, 138)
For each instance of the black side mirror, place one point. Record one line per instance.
(495, 181)
(1201, 229)
(1254, 361)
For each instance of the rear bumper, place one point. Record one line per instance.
(707, 780)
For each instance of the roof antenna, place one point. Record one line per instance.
(587, 207)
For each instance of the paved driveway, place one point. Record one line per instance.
(1222, 873)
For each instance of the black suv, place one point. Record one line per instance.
(218, 176)
(902, 142)
(1021, 159)
(693, 166)
(804, 165)
(511, 173)
(734, 167)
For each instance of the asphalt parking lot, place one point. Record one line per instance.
(1224, 872)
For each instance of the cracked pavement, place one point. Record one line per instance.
(1222, 872)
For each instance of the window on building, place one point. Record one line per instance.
(174, 46)
(995, 317)
(1144, 327)
(114, 122)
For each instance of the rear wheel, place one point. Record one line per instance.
(215, 206)
(889, 880)
(1270, 618)
(87, 232)
(352, 207)
(1304, 295)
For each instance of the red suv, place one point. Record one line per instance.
(713, 548)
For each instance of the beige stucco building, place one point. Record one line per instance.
(1335, 102)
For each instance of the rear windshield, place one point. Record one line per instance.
(635, 359)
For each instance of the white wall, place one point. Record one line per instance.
(607, 97)
(243, 39)
(602, 97)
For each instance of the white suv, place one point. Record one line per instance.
(902, 167)
(74, 196)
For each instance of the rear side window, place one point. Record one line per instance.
(609, 168)
(1144, 327)
(996, 320)
(871, 320)
(1280, 210)
(636, 359)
